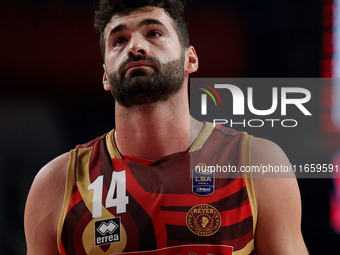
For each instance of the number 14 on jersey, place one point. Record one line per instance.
(118, 181)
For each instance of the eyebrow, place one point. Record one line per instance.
(117, 29)
(150, 22)
(144, 22)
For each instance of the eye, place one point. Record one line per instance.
(119, 41)
(154, 34)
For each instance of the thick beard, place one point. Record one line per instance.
(145, 87)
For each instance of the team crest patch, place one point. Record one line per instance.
(107, 231)
(203, 180)
(203, 220)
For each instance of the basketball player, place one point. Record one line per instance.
(131, 190)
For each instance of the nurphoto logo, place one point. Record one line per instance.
(281, 107)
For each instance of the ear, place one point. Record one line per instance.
(106, 83)
(191, 60)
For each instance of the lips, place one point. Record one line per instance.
(137, 64)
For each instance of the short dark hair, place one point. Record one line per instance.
(109, 8)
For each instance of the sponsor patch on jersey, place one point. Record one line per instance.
(203, 220)
(203, 180)
(107, 231)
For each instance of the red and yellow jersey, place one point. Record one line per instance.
(118, 204)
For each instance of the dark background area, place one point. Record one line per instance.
(52, 98)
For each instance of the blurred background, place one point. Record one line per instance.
(52, 98)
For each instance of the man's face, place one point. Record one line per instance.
(144, 61)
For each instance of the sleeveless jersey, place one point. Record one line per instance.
(117, 205)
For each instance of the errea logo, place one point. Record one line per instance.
(107, 231)
(105, 228)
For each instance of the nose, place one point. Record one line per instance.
(137, 45)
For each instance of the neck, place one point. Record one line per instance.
(156, 130)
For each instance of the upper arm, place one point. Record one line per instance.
(43, 206)
(278, 229)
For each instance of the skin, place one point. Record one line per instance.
(169, 128)
(168, 123)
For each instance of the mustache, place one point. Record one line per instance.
(134, 58)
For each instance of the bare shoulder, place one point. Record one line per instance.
(50, 181)
(277, 193)
(276, 174)
(43, 206)
(264, 151)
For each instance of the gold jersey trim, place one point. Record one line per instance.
(200, 140)
(246, 250)
(67, 195)
(79, 165)
(83, 181)
(83, 177)
(203, 136)
(249, 179)
(111, 145)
